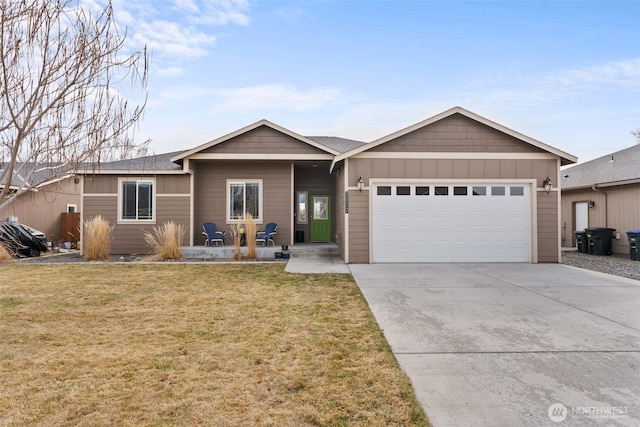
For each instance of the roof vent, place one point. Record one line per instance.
(610, 161)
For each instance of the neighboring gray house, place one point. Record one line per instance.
(454, 187)
(604, 192)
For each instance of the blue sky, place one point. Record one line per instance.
(564, 72)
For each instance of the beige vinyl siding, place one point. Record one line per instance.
(210, 201)
(263, 140)
(457, 133)
(42, 209)
(615, 207)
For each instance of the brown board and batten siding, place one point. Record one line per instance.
(457, 133)
(263, 140)
(172, 204)
(210, 194)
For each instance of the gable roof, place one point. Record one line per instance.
(616, 168)
(36, 175)
(249, 128)
(147, 164)
(339, 144)
(565, 157)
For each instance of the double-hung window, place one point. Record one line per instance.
(244, 196)
(136, 200)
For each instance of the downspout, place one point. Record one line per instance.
(595, 188)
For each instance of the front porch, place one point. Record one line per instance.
(220, 253)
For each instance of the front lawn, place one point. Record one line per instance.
(193, 344)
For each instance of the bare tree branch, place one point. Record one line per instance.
(63, 91)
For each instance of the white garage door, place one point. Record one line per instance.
(451, 223)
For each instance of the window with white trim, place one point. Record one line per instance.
(244, 196)
(136, 200)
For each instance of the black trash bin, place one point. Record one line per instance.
(299, 236)
(581, 242)
(599, 240)
(634, 250)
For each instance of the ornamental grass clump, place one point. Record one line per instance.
(5, 255)
(97, 245)
(166, 242)
(249, 231)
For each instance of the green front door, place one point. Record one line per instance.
(320, 219)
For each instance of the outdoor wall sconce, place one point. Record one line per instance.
(547, 185)
(360, 183)
(592, 203)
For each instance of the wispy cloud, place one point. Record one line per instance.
(280, 96)
(529, 89)
(171, 71)
(179, 29)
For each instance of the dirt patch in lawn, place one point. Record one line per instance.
(193, 344)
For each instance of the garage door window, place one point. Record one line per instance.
(497, 191)
(459, 191)
(479, 191)
(441, 191)
(516, 191)
(422, 191)
(384, 191)
(403, 191)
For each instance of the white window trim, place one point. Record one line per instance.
(306, 207)
(153, 201)
(228, 219)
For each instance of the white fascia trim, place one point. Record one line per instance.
(454, 155)
(52, 181)
(251, 127)
(346, 214)
(260, 156)
(129, 172)
(571, 158)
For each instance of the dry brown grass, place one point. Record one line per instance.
(193, 344)
(165, 241)
(5, 254)
(97, 239)
(249, 230)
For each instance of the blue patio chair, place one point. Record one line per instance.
(212, 234)
(266, 236)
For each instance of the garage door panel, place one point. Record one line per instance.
(451, 228)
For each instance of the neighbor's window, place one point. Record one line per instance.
(244, 197)
(136, 200)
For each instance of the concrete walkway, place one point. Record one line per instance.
(512, 344)
(316, 258)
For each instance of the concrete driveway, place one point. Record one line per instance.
(512, 344)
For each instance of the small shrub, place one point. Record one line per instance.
(166, 242)
(97, 245)
(5, 254)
